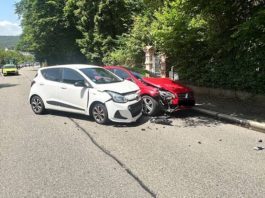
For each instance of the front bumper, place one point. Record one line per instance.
(177, 104)
(124, 112)
(10, 72)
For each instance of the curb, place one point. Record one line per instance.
(240, 121)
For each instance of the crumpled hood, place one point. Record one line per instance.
(119, 87)
(167, 84)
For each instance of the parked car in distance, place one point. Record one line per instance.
(157, 93)
(9, 69)
(88, 90)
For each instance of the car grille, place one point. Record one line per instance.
(136, 108)
(185, 95)
(187, 103)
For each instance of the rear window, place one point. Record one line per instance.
(54, 74)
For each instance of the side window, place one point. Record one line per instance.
(54, 74)
(71, 76)
(121, 74)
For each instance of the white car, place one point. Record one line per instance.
(86, 89)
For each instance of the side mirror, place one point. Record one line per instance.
(80, 83)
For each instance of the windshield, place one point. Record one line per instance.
(141, 75)
(10, 66)
(137, 75)
(100, 75)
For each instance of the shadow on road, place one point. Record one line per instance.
(140, 121)
(70, 115)
(6, 85)
(192, 118)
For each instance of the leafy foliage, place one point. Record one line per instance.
(9, 42)
(101, 23)
(130, 46)
(47, 32)
(14, 57)
(211, 43)
(215, 43)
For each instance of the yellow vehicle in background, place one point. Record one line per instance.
(9, 69)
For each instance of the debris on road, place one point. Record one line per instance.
(260, 140)
(199, 142)
(220, 140)
(259, 148)
(161, 120)
(142, 129)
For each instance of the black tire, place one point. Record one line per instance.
(150, 106)
(37, 105)
(100, 113)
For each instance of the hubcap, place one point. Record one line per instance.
(36, 105)
(148, 105)
(98, 113)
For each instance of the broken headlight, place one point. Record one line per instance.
(116, 97)
(166, 94)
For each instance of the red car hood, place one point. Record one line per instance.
(167, 84)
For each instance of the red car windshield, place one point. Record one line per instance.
(137, 75)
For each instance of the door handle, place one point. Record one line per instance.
(63, 88)
(41, 83)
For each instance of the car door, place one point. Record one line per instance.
(49, 86)
(73, 98)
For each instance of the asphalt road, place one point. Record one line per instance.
(69, 155)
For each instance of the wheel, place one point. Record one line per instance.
(37, 105)
(100, 113)
(150, 106)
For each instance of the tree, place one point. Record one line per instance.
(14, 57)
(129, 50)
(47, 33)
(101, 22)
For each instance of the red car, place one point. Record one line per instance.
(157, 93)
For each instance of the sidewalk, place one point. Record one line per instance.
(241, 112)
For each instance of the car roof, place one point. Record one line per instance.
(73, 66)
(115, 66)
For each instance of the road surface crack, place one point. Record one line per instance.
(107, 152)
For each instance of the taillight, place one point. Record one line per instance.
(32, 83)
